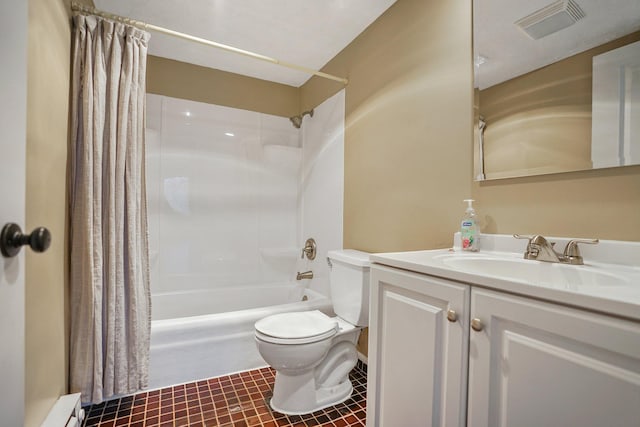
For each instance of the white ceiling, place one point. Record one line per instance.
(511, 53)
(303, 32)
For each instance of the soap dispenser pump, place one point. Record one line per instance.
(469, 229)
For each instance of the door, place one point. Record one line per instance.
(13, 97)
(535, 364)
(417, 350)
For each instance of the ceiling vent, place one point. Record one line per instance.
(551, 18)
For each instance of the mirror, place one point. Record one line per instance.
(557, 86)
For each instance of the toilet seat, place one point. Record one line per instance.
(296, 328)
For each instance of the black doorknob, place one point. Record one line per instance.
(12, 239)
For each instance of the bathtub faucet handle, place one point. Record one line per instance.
(309, 249)
(304, 275)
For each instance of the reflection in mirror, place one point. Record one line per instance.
(541, 99)
(615, 111)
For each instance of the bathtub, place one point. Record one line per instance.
(207, 333)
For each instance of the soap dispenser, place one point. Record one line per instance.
(469, 232)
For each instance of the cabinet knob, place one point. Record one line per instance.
(452, 316)
(476, 325)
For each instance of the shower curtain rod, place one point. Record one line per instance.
(146, 26)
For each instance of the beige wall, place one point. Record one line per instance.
(187, 81)
(408, 153)
(409, 118)
(541, 122)
(47, 126)
(408, 144)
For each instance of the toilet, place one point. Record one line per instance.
(313, 353)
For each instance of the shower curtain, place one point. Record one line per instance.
(109, 273)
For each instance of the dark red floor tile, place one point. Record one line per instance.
(233, 401)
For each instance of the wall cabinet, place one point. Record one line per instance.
(418, 346)
(530, 363)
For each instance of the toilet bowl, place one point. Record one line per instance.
(312, 367)
(313, 353)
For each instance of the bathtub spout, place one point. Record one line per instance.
(304, 275)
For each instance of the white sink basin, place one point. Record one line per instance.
(554, 275)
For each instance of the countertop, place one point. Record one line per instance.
(615, 292)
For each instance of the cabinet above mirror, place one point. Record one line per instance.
(534, 97)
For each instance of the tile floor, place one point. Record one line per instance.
(233, 400)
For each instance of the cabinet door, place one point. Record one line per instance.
(540, 364)
(417, 357)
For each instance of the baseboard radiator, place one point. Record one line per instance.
(66, 412)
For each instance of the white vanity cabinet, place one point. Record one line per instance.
(501, 361)
(534, 363)
(533, 344)
(418, 350)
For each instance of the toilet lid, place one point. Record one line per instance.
(299, 326)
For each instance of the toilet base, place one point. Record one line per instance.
(312, 376)
(297, 395)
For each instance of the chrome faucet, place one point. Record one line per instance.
(540, 249)
(304, 275)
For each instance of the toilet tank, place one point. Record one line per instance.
(349, 282)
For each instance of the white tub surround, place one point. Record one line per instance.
(322, 185)
(223, 196)
(230, 208)
(234, 194)
(505, 340)
(201, 302)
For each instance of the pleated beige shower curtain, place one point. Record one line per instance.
(109, 273)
